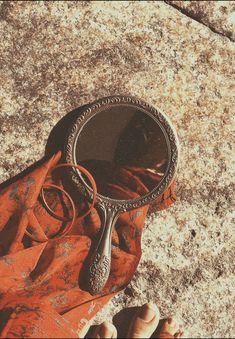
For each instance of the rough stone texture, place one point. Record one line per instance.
(218, 15)
(56, 56)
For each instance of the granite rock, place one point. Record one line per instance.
(219, 16)
(56, 56)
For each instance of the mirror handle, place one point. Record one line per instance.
(100, 263)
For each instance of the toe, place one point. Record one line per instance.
(105, 330)
(170, 329)
(145, 322)
(171, 326)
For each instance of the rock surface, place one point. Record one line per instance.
(219, 16)
(56, 56)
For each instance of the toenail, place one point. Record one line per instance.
(148, 312)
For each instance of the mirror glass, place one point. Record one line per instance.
(125, 150)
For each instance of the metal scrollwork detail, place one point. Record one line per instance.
(99, 273)
(156, 114)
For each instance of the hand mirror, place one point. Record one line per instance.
(131, 150)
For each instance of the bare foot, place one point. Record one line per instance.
(145, 322)
(143, 325)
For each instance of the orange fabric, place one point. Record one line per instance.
(42, 284)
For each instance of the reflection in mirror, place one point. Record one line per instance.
(125, 150)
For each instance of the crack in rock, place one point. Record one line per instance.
(190, 14)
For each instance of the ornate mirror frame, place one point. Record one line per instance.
(163, 122)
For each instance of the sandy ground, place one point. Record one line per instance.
(176, 55)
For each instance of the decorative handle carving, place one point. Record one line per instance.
(99, 273)
(101, 260)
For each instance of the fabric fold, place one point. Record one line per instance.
(45, 278)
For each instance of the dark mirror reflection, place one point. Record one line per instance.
(125, 150)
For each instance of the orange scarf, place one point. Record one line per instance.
(42, 292)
